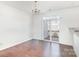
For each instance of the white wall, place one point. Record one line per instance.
(65, 35)
(14, 26)
(37, 27)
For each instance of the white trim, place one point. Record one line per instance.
(11, 45)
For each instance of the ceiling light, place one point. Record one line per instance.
(35, 9)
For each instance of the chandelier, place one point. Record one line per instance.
(35, 9)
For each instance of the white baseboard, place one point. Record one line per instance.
(8, 45)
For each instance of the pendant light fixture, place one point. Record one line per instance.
(35, 9)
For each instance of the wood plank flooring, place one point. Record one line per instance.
(38, 48)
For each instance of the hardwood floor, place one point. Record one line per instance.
(38, 48)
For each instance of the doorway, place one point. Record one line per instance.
(51, 30)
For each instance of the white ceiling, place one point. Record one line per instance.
(44, 6)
